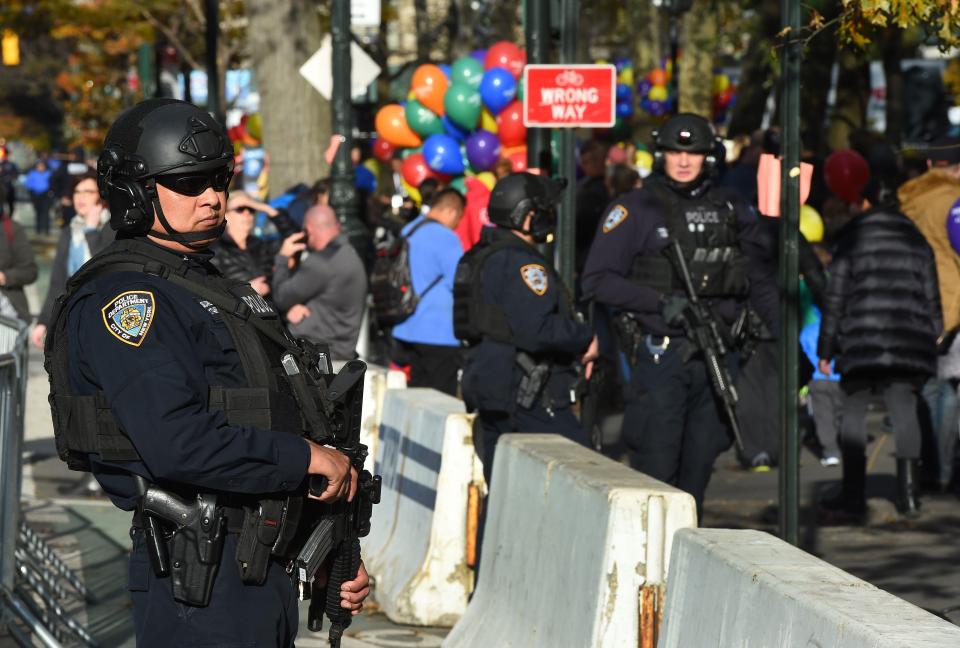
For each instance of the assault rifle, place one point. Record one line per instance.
(704, 334)
(333, 531)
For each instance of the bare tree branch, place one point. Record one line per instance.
(173, 38)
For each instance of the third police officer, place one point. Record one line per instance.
(674, 424)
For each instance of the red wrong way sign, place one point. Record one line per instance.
(570, 96)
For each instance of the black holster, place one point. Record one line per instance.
(268, 528)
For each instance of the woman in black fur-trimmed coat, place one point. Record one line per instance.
(881, 320)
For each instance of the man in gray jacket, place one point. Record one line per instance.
(323, 295)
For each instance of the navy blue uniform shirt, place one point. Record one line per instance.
(525, 286)
(155, 349)
(634, 225)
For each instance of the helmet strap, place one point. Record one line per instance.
(186, 239)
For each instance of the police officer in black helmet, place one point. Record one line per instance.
(524, 339)
(155, 364)
(673, 424)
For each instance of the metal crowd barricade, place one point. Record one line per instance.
(35, 584)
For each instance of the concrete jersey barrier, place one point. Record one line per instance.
(575, 550)
(417, 548)
(376, 383)
(739, 588)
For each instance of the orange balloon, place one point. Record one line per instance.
(429, 85)
(517, 156)
(657, 77)
(392, 126)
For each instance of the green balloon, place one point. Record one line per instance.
(467, 70)
(460, 184)
(462, 105)
(422, 120)
(520, 85)
(407, 152)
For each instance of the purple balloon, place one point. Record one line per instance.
(953, 226)
(656, 108)
(483, 150)
(644, 87)
(480, 55)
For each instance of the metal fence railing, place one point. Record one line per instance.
(35, 584)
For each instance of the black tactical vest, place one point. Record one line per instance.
(85, 424)
(706, 228)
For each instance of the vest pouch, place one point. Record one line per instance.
(736, 278)
(264, 525)
(257, 407)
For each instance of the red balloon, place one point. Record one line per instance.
(846, 174)
(383, 150)
(510, 128)
(506, 55)
(415, 170)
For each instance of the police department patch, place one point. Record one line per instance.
(128, 316)
(535, 276)
(616, 216)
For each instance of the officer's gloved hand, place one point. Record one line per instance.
(675, 310)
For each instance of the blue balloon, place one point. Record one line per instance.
(445, 69)
(623, 92)
(453, 130)
(625, 109)
(442, 154)
(480, 55)
(483, 150)
(498, 89)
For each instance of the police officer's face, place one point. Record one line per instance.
(682, 166)
(191, 213)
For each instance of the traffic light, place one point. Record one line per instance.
(11, 48)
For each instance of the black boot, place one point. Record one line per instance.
(908, 502)
(851, 500)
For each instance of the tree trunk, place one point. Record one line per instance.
(893, 71)
(853, 89)
(815, 73)
(646, 25)
(282, 35)
(699, 34)
(758, 74)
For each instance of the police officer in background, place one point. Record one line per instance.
(673, 424)
(525, 342)
(165, 375)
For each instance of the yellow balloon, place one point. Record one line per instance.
(411, 191)
(411, 95)
(658, 93)
(811, 224)
(720, 83)
(626, 77)
(488, 122)
(255, 126)
(488, 179)
(372, 165)
(602, 62)
(643, 160)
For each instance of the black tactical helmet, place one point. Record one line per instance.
(686, 132)
(517, 194)
(160, 137)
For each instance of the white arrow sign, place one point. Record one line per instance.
(318, 70)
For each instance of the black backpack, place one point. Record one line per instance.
(391, 283)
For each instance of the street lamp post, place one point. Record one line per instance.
(343, 195)
(537, 28)
(566, 227)
(212, 12)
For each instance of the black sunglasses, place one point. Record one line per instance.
(195, 184)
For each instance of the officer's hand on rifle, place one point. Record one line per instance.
(675, 310)
(335, 466)
(592, 353)
(352, 593)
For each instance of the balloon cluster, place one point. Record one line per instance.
(654, 91)
(458, 120)
(724, 96)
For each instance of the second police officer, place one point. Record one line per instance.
(524, 337)
(673, 423)
(165, 374)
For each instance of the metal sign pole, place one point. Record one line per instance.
(567, 227)
(790, 272)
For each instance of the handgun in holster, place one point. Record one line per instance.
(194, 547)
(629, 337)
(533, 380)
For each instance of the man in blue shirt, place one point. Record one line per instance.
(425, 340)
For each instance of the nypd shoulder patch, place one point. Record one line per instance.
(128, 316)
(615, 216)
(535, 276)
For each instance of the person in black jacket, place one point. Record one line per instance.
(242, 256)
(86, 234)
(881, 318)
